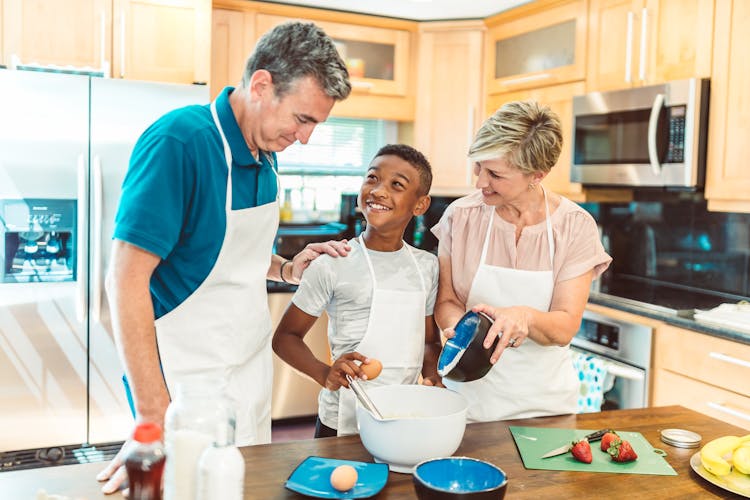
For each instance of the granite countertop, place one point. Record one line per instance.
(680, 319)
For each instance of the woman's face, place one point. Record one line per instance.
(500, 182)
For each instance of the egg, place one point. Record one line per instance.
(371, 369)
(344, 477)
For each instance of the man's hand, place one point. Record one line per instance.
(312, 251)
(115, 473)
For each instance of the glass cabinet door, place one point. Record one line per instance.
(537, 49)
(377, 58)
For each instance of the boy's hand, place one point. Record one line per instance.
(345, 365)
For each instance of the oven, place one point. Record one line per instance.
(623, 349)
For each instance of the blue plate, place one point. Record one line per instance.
(313, 478)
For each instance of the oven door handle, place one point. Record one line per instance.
(653, 122)
(624, 371)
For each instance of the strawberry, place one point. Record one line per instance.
(621, 451)
(581, 451)
(607, 439)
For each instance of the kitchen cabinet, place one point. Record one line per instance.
(727, 177)
(232, 41)
(449, 107)
(703, 373)
(542, 43)
(162, 40)
(643, 42)
(378, 62)
(560, 100)
(295, 394)
(73, 33)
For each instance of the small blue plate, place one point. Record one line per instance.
(312, 477)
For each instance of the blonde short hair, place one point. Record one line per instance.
(525, 133)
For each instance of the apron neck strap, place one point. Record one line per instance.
(548, 220)
(372, 269)
(227, 155)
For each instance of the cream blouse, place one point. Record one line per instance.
(462, 228)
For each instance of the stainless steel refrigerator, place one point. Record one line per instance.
(65, 143)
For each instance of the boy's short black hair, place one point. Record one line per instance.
(413, 157)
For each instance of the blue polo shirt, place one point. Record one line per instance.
(174, 195)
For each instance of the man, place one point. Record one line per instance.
(195, 228)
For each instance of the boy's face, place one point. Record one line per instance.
(390, 194)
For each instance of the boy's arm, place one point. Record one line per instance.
(288, 344)
(432, 348)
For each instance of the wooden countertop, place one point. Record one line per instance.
(268, 466)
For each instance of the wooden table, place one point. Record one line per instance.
(268, 466)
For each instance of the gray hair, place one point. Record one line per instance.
(295, 50)
(525, 133)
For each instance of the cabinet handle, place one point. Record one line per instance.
(725, 409)
(644, 41)
(122, 43)
(729, 359)
(629, 48)
(364, 86)
(523, 79)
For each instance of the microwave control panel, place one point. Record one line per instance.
(676, 144)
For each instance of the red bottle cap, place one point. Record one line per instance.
(147, 432)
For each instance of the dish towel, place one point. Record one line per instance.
(592, 375)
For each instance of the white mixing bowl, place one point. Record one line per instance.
(420, 422)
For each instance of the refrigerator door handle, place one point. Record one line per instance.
(96, 240)
(81, 253)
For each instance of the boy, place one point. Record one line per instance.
(379, 298)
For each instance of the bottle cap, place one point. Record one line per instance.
(147, 432)
(681, 438)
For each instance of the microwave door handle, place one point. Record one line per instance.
(653, 121)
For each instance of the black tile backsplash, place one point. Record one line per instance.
(669, 250)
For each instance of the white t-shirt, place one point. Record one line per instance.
(342, 287)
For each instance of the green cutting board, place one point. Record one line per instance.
(533, 442)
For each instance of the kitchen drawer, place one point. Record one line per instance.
(716, 361)
(673, 389)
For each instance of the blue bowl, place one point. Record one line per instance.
(459, 477)
(464, 357)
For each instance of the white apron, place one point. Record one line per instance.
(395, 336)
(223, 328)
(529, 380)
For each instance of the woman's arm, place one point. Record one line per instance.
(448, 307)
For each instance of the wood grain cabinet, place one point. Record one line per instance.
(232, 41)
(162, 40)
(704, 373)
(643, 42)
(539, 44)
(72, 33)
(560, 99)
(727, 175)
(449, 100)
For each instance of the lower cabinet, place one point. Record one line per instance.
(704, 373)
(295, 394)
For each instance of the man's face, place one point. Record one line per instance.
(292, 117)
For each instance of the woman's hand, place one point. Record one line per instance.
(345, 365)
(449, 333)
(433, 381)
(511, 325)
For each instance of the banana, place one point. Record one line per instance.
(741, 459)
(713, 453)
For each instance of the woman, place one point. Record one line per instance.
(524, 256)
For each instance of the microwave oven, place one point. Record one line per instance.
(653, 136)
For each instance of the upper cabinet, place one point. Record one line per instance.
(378, 62)
(449, 109)
(539, 44)
(727, 175)
(560, 100)
(232, 41)
(643, 42)
(162, 40)
(72, 33)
